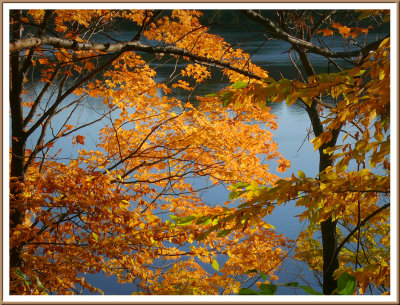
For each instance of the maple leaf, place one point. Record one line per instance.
(343, 30)
(326, 32)
(80, 139)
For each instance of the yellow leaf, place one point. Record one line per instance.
(317, 143)
(301, 175)
(215, 265)
(291, 99)
(340, 168)
(95, 236)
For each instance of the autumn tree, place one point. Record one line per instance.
(351, 97)
(100, 208)
(92, 193)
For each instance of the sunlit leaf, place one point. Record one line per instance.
(215, 265)
(239, 85)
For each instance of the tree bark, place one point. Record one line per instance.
(329, 242)
(328, 227)
(17, 174)
(137, 46)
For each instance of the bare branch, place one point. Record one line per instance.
(54, 107)
(365, 220)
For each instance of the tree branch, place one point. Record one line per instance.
(141, 144)
(310, 47)
(125, 46)
(320, 23)
(365, 220)
(54, 107)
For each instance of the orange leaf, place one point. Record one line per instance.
(326, 32)
(89, 66)
(344, 30)
(43, 61)
(79, 139)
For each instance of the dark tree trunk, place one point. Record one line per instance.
(329, 238)
(17, 174)
(328, 227)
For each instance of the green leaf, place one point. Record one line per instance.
(243, 205)
(346, 284)
(246, 291)
(39, 284)
(226, 98)
(239, 85)
(269, 80)
(207, 221)
(19, 273)
(212, 95)
(291, 284)
(233, 195)
(223, 233)
(285, 82)
(268, 289)
(215, 265)
(22, 276)
(200, 220)
(263, 275)
(251, 271)
(236, 194)
(309, 290)
(208, 232)
(185, 220)
(240, 185)
(301, 174)
(273, 189)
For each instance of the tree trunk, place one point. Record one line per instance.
(329, 240)
(328, 227)
(17, 174)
